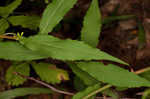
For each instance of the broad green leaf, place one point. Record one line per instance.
(5, 11)
(13, 93)
(16, 80)
(3, 25)
(146, 75)
(66, 49)
(17, 52)
(87, 91)
(84, 76)
(50, 73)
(113, 75)
(92, 25)
(31, 22)
(54, 12)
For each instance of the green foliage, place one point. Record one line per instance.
(10, 94)
(87, 91)
(15, 51)
(146, 75)
(146, 94)
(66, 49)
(16, 80)
(115, 18)
(31, 22)
(92, 25)
(113, 75)
(3, 25)
(54, 13)
(50, 73)
(84, 76)
(78, 84)
(46, 1)
(41, 46)
(141, 36)
(109, 92)
(7, 10)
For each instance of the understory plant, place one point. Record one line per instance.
(81, 56)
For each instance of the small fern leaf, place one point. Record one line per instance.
(87, 91)
(31, 22)
(50, 73)
(54, 13)
(16, 80)
(66, 49)
(92, 25)
(113, 75)
(5, 11)
(18, 92)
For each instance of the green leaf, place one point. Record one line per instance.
(5, 11)
(15, 51)
(141, 36)
(113, 75)
(66, 49)
(92, 25)
(84, 76)
(31, 22)
(111, 93)
(146, 94)
(78, 83)
(87, 91)
(146, 75)
(13, 93)
(50, 73)
(16, 80)
(115, 18)
(3, 25)
(54, 13)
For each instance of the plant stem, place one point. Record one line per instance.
(8, 37)
(44, 84)
(142, 70)
(97, 91)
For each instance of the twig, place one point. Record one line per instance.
(8, 37)
(69, 93)
(142, 70)
(44, 84)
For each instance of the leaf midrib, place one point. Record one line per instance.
(59, 47)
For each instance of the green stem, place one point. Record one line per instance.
(142, 70)
(97, 91)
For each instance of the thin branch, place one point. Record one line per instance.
(8, 37)
(69, 93)
(142, 70)
(44, 84)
